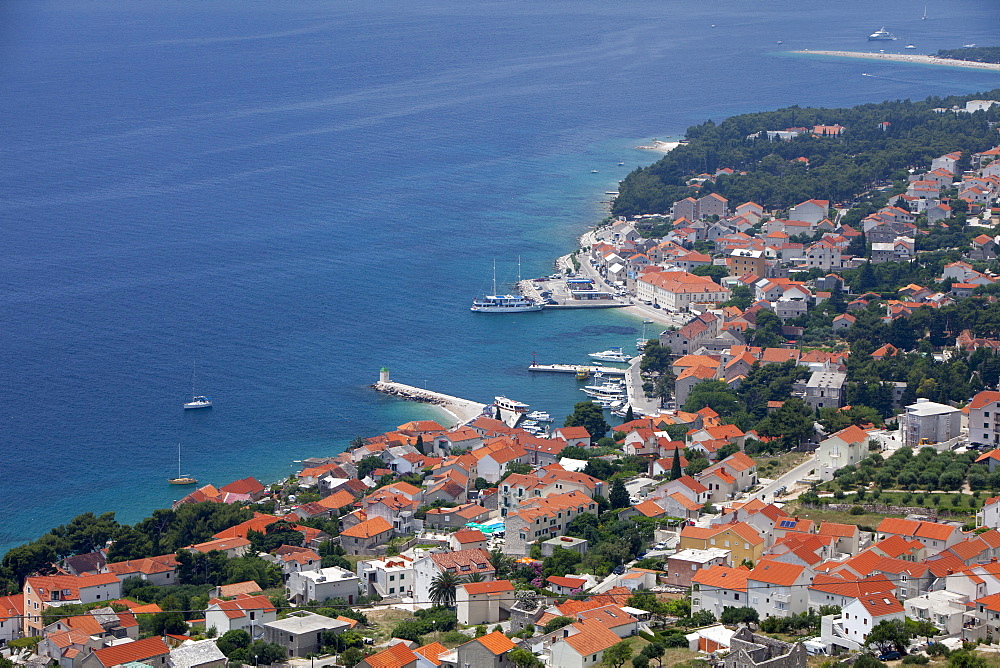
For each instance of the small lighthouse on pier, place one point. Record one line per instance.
(383, 375)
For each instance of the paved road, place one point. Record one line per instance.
(636, 397)
(786, 480)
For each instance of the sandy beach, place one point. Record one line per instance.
(659, 146)
(907, 58)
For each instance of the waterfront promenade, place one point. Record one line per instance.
(462, 410)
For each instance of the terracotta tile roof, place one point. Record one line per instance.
(220, 544)
(983, 398)
(44, 585)
(395, 656)
(339, 499)
(246, 587)
(496, 642)
(722, 577)
(242, 604)
(571, 583)
(881, 605)
(11, 606)
(495, 587)
(138, 650)
(651, 509)
(469, 536)
(592, 637)
(476, 560)
(432, 652)
(839, 530)
(368, 529)
(775, 573)
(248, 485)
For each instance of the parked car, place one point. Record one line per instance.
(890, 656)
(619, 570)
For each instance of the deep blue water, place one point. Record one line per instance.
(296, 193)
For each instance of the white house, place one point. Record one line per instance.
(811, 211)
(777, 589)
(989, 515)
(386, 576)
(719, 587)
(844, 448)
(984, 419)
(582, 645)
(481, 602)
(462, 563)
(245, 612)
(332, 582)
(851, 627)
(943, 609)
(11, 609)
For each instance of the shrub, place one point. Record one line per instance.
(916, 659)
(857, 510)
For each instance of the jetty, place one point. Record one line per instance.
(573, 368)
(463, 410)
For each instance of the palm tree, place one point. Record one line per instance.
(503, 564)
(475, 577)
(442, 590)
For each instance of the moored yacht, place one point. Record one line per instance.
(496, 303)
(611, 355)
(881, 35)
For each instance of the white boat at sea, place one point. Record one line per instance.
(611, 355)
(910, 46)
(197, 400)
(881, 35)
(496, 303)
(539, 416)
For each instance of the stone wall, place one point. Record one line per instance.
(749, 650)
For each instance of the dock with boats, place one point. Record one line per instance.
(575, 368)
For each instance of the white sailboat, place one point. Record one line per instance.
(181, 479)
(924, 17)
(197, 400)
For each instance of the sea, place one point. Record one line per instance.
(291, 195)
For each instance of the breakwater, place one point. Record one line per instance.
(462, 410)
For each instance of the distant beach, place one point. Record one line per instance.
(907, 58)
(659, 146)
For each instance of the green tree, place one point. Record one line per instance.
(442, 589)
(523, 658)
(351, 657)
(618, 497)
(265, 653)
(744, 615)
(589, 416)
(557, 623)
(888, 636)
(654, 651)
(675, 466)
(616, 655)
(963, 658)
(232, 641)
(369, 464)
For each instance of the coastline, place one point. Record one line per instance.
(906, 58)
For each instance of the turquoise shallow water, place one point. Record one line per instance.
(294, 194)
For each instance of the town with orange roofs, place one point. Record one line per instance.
(802, 468)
